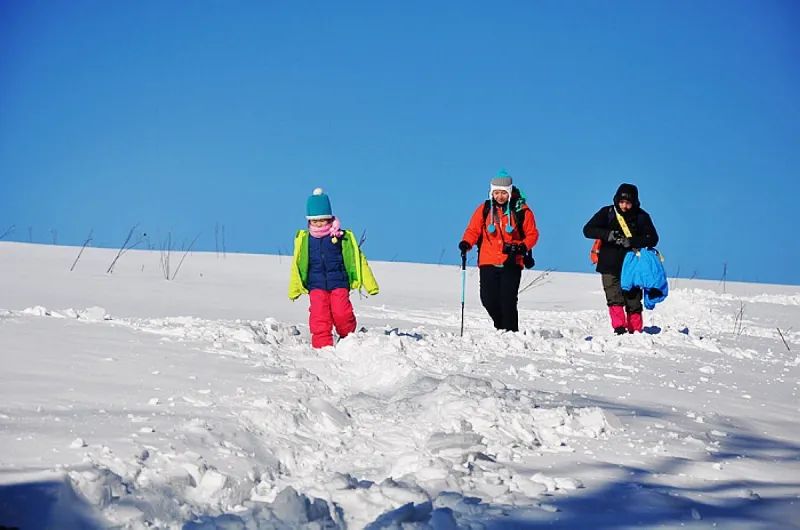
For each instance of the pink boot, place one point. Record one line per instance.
(617, 314)
(635, 323)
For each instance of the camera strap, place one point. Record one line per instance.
(623, 224)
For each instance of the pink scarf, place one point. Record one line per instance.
(332, 229)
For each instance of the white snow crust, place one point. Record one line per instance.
(130, 401)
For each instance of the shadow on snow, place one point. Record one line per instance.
(44, 505)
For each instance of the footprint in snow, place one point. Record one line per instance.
(197, 402)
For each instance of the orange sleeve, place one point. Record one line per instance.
(531, 232)
(475, 226)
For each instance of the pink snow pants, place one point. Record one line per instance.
(330, 309)
(633, 323)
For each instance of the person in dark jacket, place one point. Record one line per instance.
(606, 226)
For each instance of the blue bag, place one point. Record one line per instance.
(644, 269)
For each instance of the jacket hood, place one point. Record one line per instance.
(517, 198)
(628, 192)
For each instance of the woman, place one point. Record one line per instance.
(504, 228)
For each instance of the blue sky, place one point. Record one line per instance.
(179, 116)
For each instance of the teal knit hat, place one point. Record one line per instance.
(502, 182)
(318, 206)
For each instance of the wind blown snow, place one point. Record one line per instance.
(130, 401)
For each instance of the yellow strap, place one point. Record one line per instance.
(623, 224)
(625, 229)
(627, 232)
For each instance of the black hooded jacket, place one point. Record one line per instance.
(605, 220)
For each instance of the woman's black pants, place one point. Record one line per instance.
(499, 287)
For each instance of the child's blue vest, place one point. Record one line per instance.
(326, 265)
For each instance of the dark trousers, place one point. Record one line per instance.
(499, 287)
(632, 300)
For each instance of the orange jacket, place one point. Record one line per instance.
(491, 250)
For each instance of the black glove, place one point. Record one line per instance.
(613, 235)
(464, 247)
(522, 249)
(528, 260)
(618, 238)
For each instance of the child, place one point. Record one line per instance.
(610, 225)
(327, 263)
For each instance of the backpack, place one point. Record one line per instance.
(594, 253)
(519, 218)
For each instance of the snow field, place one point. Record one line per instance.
(198, 421)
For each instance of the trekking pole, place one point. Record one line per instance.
(463, 287)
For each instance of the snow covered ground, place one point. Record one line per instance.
(130, 401)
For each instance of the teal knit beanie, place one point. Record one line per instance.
(318, 206)
(502, 182)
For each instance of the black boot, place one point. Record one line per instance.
(622, 330)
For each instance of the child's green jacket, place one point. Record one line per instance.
(355, 263)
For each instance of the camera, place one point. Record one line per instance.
(512, 249)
